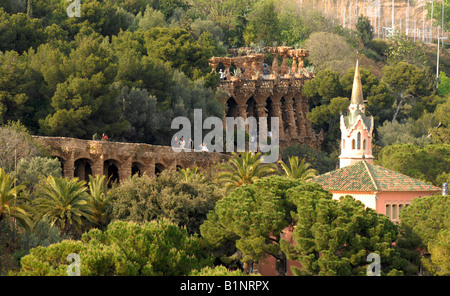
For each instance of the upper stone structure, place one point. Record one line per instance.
(356, 128)
(258, 88)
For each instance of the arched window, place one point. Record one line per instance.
(364, 144)
(388, 211)
(353, 144)
(358, 139)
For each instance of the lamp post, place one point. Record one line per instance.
(437, 60)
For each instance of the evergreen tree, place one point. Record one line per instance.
(364, 29)
(334, 238)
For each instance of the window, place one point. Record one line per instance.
(353, 144)
(388, 211)
(394, 212)
(358, 139)
(364, 144)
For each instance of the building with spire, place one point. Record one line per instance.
(356, 128)
(383, 190)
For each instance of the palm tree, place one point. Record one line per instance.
(192, 175)
(299, 171)
(8, 197)
(64, 202)
(243, 168)
(99, 200)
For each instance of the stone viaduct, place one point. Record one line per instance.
(80, 158)
(254, 88)
(257, 89)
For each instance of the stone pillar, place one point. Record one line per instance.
(294, 65)
(125, 169)
(149, 168)
(242, 110)
(248, 68)
(284, 66)
(261, 94)
(262, 112)
(97, 166)
(301, 63)
(276, 108)
(275, 67)
(289, 107)
(301, 116)
(69, 167)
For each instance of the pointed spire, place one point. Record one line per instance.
(357, 94)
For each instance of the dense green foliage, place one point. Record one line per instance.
(430, 163)
(334, 237)
(424, 228)
(142, 199)
(250, 219)
(124, 249)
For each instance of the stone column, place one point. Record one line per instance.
(301, 116)
(242, 110)
(149, 167)
(248, 67)
(97, 166)
(261, 94)
(262, 112)
(69, 167)
(284, 66)
(125, 169)
(289, 107)
(277, 112)
(275, 67)
(294, 65)
(301, 63)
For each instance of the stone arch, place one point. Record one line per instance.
(111, 170)
(83, 168)
(220, 66)
(270, 112)
(232, 68)
(137, 168)
(232, 108)
(159, 168)
(251, 108)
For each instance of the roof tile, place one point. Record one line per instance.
(364, 176)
